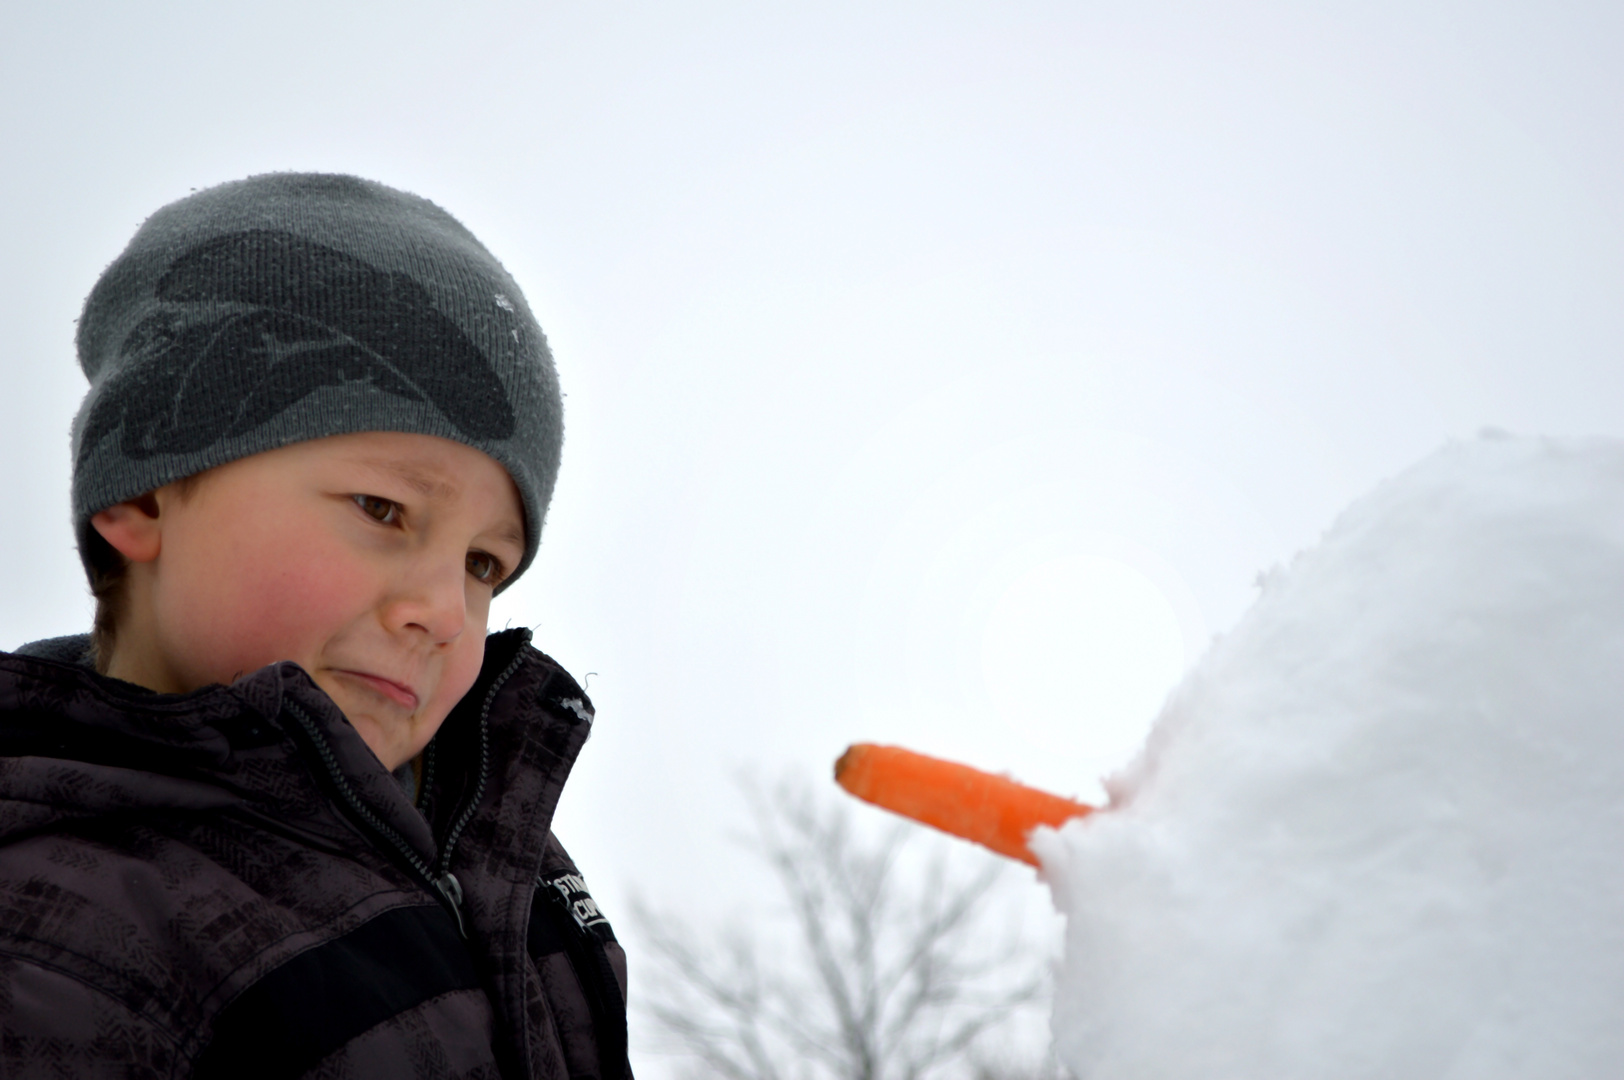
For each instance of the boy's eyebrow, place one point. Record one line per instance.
(513, 533)
(426, 482)
(431, 484)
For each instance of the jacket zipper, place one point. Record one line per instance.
(450, 892)
(438, 879)
(465, 813)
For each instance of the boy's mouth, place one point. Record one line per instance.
(399, 693)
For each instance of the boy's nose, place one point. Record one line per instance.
(432, 598)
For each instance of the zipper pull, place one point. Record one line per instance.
(449, 887)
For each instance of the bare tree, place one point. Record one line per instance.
(888, 966)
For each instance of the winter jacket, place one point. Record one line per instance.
(228, 883)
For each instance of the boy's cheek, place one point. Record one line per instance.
(246, 620)
(463, 671)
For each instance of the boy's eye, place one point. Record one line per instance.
(484, 568)
(385, 511)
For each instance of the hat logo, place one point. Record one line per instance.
(294, 317)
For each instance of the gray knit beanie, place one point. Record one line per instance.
(293, 306)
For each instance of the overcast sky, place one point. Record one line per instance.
(940, 374)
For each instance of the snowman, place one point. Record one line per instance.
(1378, 831)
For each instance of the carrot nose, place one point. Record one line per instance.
(993, 811)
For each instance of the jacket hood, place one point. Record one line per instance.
(75, 744)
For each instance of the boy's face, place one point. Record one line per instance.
(367, 559)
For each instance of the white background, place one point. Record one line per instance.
(939, 374)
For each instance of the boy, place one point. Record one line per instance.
(285, 812)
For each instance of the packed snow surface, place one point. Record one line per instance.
(1379, 830)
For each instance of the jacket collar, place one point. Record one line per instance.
(273, 745)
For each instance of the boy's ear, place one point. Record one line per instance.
(132, 528)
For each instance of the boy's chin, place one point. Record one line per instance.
(392, 748)
(393, 740)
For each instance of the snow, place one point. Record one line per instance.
(1379, 830)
